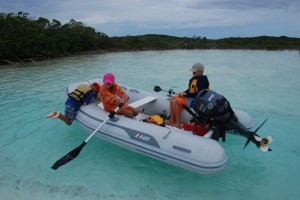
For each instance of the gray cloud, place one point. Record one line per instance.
(246, 4)
(175, 17)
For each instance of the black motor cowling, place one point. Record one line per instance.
(211, 106)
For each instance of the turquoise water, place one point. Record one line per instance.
(263, 83)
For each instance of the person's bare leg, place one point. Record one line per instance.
(65, 119)
(126, 112)
(172, 114)
(134, 111)
(177, 112)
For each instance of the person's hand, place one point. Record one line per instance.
(119, 100)
(182, 94)
(125, 98)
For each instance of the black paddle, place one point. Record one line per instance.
(75, 152)
(158, 89)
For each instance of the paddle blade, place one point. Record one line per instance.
(157, 88)
(67, 158)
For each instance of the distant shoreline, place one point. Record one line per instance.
(106, 51)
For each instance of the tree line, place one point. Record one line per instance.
(26, 39)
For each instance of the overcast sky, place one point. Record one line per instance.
(212, 19)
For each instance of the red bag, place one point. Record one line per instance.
(196, 129)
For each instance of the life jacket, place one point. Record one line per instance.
(156, 119)
(194, 81)
(193, 86)
(80, 92)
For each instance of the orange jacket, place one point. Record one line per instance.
(109, 98)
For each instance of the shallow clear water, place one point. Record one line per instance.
(263, 83)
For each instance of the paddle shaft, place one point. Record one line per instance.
(103, 123)
(97, 129)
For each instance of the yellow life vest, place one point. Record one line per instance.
(193, 87)
(156, 119)
(80, 92)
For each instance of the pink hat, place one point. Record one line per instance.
(109, 78)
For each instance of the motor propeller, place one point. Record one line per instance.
(262, 143)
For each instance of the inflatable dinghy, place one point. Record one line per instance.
(178, 147)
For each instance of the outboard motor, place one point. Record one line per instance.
(213, 108)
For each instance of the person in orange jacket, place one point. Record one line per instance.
(112, 95)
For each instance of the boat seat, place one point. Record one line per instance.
(137, 103)
(142, 101)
